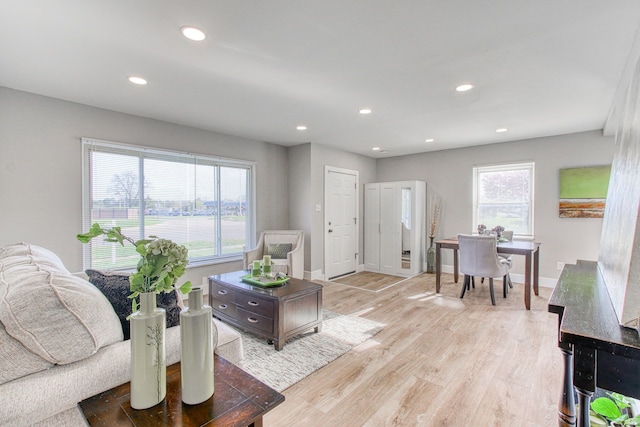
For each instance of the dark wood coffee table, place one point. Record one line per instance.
(239, 400)
(275, 313)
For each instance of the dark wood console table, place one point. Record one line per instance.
(597, 351)
(239, 400)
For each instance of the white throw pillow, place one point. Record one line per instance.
(16, 360)
(60, 317)
(24, 249)
(17, 261)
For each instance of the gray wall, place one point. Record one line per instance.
(322, 156)
(41, 176)
(449, 173)
(300, 205)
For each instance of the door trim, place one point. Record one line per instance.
(325, 220)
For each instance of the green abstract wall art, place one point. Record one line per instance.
(583, 191)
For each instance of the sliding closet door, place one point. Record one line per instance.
(389, 229)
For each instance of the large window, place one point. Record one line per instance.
(503, 195)
(201, 202)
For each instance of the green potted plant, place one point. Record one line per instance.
(161, 263)
(612, 411)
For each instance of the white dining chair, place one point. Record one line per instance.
(479, 257)
(508, 235)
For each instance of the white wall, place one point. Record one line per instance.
(449, 173)
(41, 177)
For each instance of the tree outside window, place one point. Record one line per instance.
(196, 201)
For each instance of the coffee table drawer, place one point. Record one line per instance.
(254, 321)
(255, 304)
(222, 293)
(224, 307)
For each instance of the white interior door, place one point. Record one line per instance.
(341, 216)
(389, 229)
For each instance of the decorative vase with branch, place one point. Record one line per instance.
(161, 263)
(434, 218)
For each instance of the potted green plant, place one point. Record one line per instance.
(612, 411)
(161, 263)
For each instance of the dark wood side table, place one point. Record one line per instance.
(596, 350)
(239, 400)
(275, 313)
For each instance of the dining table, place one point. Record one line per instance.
(528, 248)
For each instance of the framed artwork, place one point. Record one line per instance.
(583, 191)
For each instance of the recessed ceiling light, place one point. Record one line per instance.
(376, 148)
(193, 33)
(429, 140)
(301, 127)
(464, 87)
(500, 130)
(137, 80)
(365, 111)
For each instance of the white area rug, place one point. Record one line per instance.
(305, 353)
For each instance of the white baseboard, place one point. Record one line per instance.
(319, 275)
(314, 275)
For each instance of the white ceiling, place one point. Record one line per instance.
(540, 68)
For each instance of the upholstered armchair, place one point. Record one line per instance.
(286, 248)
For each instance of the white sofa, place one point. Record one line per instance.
(61, 341)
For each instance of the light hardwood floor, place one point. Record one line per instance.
(439, 361)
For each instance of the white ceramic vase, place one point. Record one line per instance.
(148, 353)
(198, 338)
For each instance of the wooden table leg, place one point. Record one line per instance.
(584, 400)
(584, 380)
(567, 404)
(527, 281)
(536, 270)
(438, 266)
(455, 265)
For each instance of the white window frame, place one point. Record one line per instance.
(530, 166)
(89, 144)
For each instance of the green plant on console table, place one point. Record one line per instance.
(161, 263)
(609, 411)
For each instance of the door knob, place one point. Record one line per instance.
(330, 231)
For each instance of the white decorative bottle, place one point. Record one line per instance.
(198, 338)
(148, 353)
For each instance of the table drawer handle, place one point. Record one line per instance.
(223, 306)
(252, 303)
(252, 319)
(222, 292)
